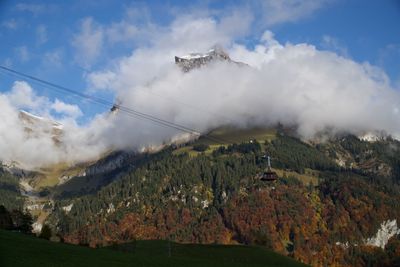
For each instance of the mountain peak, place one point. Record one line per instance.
(197, 60)
(36, 125)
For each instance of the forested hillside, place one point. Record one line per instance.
(10, 195)
(329, 200)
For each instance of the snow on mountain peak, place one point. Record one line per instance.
(196, 60)
(36, 125)
(30, 118)
(373, 136)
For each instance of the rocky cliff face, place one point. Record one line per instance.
(387, 230)
(110, 163)
(197, 60)
(36, 126)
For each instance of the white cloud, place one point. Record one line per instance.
(88, 42)
(67, 109)
(333, 44)
(35, 147)
(101, 80)
(280, 11)
(22, 96)
(269, 39)
(41, 34)
(295, 84)
(397, 83)
(186, 34)
(136, 28)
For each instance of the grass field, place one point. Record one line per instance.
(20, 250)
(310, 176)
(225, 136)
(51, 176)
(230, 135)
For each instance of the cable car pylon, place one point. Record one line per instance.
(269, 175)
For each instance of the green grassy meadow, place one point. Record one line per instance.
(21, 250)
(231, 135)
(224, 136)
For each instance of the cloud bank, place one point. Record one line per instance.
(294, 84)
(32, 145)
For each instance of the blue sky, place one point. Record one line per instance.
(46, 38)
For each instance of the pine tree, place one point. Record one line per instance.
(46, 232)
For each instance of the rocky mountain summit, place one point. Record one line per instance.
(36, 126)
(197, 60)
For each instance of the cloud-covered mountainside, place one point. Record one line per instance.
(294, 84)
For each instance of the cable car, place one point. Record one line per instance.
(115, 107)
(269, 175)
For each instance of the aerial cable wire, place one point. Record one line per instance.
(100, 101)
(107, 103)
(192, 107)
(103, 102)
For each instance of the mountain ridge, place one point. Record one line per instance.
(196, 60)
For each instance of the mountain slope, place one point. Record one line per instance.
(331, 197)
(215, 197)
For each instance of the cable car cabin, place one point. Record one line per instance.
(114, 108)
(269, 175)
